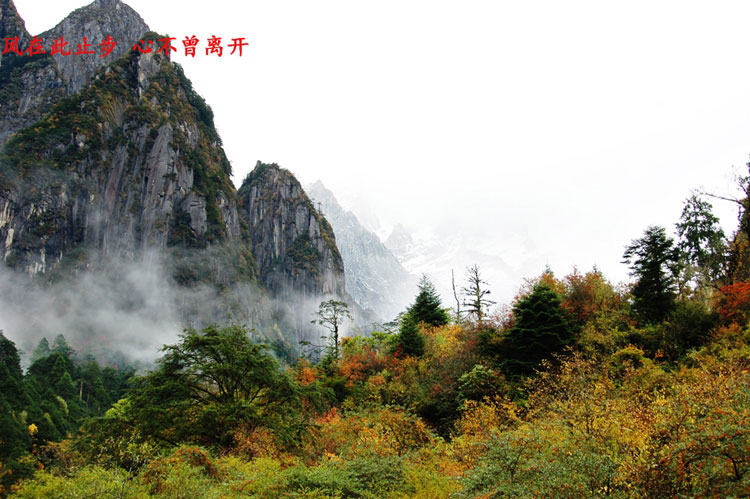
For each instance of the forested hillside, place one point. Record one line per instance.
(578, 388)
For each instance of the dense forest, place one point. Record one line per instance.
(578, 388)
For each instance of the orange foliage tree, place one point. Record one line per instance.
(733, 302)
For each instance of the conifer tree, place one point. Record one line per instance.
(540, 330)
(11, 377)
(42, 350)
(410, 339)
(9, 356)
(653, 261)
(702, 241)
(427, 308)
(60, 345)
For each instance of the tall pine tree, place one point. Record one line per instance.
(427, 308)
(653, 260)
(540, 330)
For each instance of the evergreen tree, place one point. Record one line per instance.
(410, 339)
(9, 356)
(427, 307)
(60, 345)
(540, 330)
(15, 436)
(653, 260)
(701, 241)
(11, 388)
(42, 350)
(64, 387)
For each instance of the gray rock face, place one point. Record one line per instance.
(96, 21)
(400, 240)
(27, 85)
(11, 23)
(113, 175)
(31, 86)
(294, 246)
(374, 277)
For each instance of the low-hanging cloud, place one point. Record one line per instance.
(130, 307)
(125, 310)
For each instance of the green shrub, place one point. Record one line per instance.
(90, 481)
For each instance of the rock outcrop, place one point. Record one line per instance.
(11, 23)
(294, 245)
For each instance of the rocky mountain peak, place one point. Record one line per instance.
(123, 166)
(95, 21)
(293, 244)
(400, 240)
(11, 23)
(31, 86)
(106, 162)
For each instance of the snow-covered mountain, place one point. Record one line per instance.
(436, 253)
(374, 277)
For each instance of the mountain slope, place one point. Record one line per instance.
(96, 21)
(374, 277)
(125, 182)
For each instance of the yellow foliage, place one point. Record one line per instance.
(255, 443)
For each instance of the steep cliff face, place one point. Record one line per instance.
(31, 86)
(96, 21)
(374, 278)
(11, 24)
(131, 162)
(28, 86)
(293, 244)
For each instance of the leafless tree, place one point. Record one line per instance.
(455, 295)
(476, 296)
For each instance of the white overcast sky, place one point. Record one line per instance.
(554, 132)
